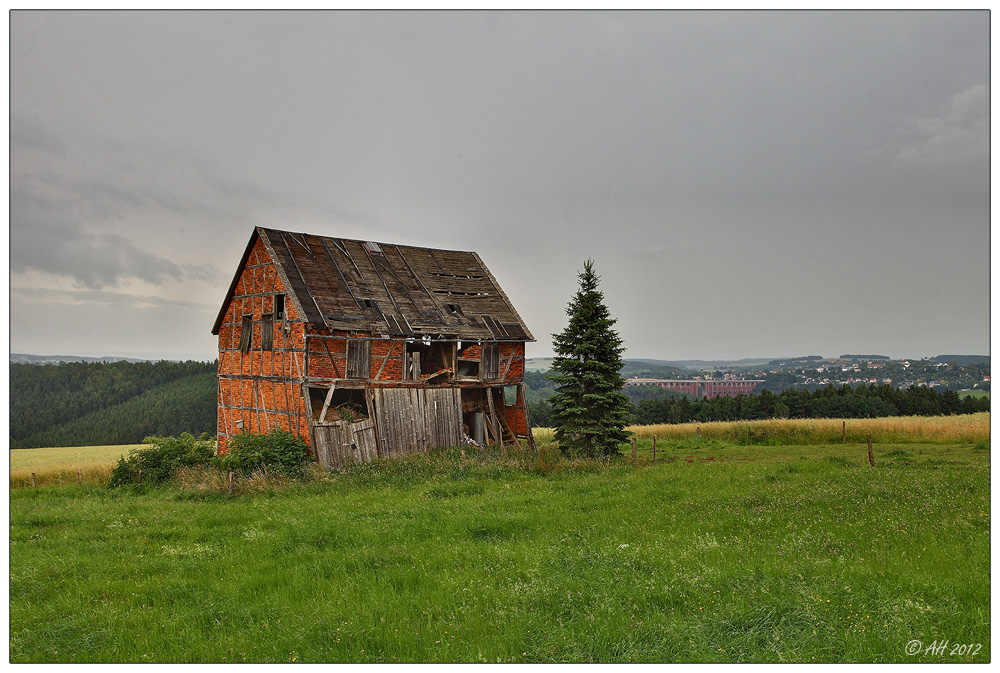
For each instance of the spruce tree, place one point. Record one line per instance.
(589, 409)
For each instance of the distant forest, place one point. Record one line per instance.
(98, 403)
(653, 405)
(863, 401)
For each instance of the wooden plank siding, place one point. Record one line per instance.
(416, 419)
(344, 443)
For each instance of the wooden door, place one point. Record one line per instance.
(341, 443)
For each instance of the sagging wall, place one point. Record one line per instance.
(399, 404)
(259, 388)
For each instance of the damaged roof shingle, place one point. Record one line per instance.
(342, 284)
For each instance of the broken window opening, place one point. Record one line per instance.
(346, 404)
(466, 364)
(279, 307)
(359, 359)
(429, 362)
(246, 331)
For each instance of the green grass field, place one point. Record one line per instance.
(974, 393)
(538, 364)
(719, 552)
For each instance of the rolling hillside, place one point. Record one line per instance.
(80, 403)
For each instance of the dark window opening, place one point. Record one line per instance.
(246, 331)
(466, 366)
(346, 404)
(279, 307)
(267, 332)
(468, 369)
(359, 359)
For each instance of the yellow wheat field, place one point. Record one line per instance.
(965, 429)
(61, 464)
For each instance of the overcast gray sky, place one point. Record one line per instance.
(748, 184)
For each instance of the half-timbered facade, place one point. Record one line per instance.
(369, 349)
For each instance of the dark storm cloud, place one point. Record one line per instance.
(92, 260)
(80, 207)
(51, 236)
(118, 301)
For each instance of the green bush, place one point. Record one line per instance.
(278, 451)
(159, 460)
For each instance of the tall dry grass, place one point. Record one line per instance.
(964, 429)
(210, 479)
(92, 475)
(60, 465)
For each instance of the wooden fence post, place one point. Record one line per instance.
(32, 480)
(230, 483)
(633, 449)
(79, 476)
(697, 430)
(654, 448)
(871, 456)
(845, 432)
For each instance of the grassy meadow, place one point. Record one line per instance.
(721, 551)
(974, 393)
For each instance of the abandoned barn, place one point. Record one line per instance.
(368, 349)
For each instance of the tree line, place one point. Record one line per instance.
(653, 406)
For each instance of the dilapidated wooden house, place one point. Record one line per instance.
(369, 349)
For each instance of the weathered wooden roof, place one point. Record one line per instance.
(381, 288)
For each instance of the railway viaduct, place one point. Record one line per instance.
(701, 389)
